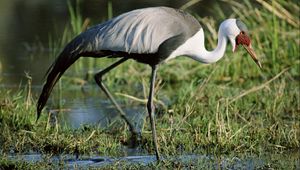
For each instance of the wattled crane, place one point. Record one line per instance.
(150, 36)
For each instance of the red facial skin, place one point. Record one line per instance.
(242, 39)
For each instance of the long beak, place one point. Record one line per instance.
(253, 55)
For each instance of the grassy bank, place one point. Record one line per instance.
(228, 108)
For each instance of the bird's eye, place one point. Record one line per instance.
(242, 32)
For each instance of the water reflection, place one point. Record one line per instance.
(93, 108)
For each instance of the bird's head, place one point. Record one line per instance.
(237, 33)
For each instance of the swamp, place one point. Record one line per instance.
(226, 115)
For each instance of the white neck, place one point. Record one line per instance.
(195, 48)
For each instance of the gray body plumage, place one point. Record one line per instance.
(144, 31)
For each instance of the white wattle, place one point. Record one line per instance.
(194, 48)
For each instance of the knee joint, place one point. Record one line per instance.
(98, 77)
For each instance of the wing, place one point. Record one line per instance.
(141, 31)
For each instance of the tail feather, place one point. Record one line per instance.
(65, 59)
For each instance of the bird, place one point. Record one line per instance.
(151, 36)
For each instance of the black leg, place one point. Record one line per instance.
(151, 110)
(98, 79)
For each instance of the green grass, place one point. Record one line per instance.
(227, 108)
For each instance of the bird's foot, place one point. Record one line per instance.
(134, 141)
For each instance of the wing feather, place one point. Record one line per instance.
(141, 31)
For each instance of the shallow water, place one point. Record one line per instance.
(184, 161)
(100, 161)
(92, 108)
